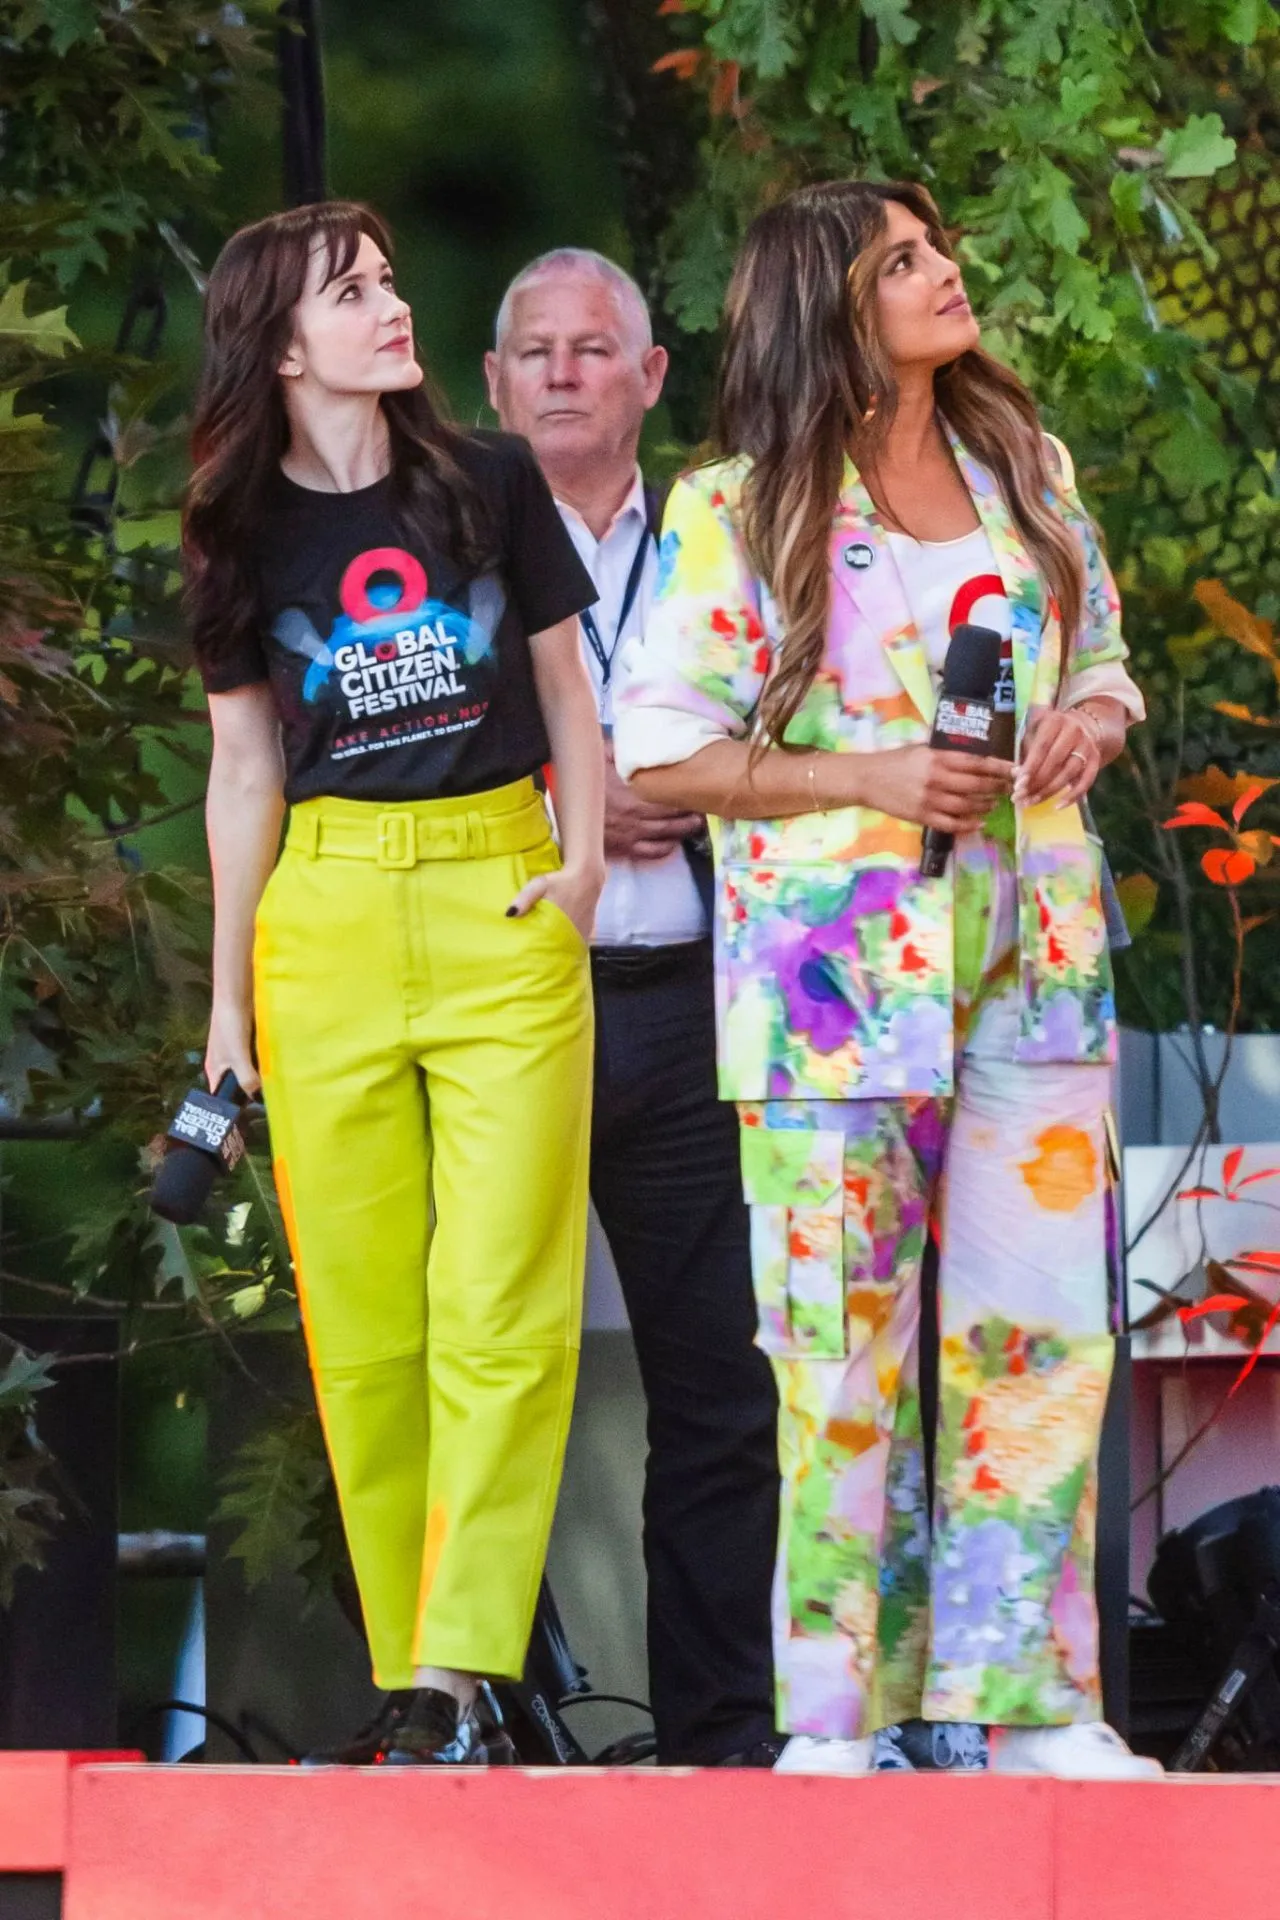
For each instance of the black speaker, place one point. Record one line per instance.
(1218, 1581)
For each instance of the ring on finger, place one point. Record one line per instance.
(1075, 754)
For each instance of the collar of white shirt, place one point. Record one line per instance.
(633, 507)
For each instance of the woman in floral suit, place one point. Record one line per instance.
(907, 1054)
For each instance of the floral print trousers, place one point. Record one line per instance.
(984, 1609)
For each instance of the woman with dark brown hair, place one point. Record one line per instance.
(908, 1054)
(384, 613)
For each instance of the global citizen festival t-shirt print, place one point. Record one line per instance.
(395, 677)
(393, 648)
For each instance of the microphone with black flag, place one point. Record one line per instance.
(975, 715)
(206, 1138)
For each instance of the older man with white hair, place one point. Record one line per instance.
(574, 369)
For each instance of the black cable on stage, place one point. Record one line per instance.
(208, 1714)
(301, 73)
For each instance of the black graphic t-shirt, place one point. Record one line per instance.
(395, 677)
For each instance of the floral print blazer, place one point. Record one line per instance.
(834, 957)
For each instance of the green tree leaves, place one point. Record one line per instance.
(1197, 149)
(1112, 172)
(892, 19)
(279, 1496)
(761, 34)
(28, 1505)
(104, 111)
(1051, 208)
(44, 333)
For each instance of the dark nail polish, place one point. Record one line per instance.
(511, 913)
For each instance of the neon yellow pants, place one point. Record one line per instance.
(427, 1071)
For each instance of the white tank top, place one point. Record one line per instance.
(948, 584)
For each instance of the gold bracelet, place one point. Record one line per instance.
(813, 789)
(1096, 723)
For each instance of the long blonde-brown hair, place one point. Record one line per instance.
(804, 380)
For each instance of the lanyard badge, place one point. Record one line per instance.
(590, 626)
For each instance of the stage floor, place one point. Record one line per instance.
(261, 1843)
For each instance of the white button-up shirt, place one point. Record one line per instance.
(645, 903)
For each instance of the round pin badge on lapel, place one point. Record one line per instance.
(859, 556)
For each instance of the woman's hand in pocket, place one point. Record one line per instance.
(573, 890)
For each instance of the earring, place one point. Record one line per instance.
(870, 413)
(292, 372)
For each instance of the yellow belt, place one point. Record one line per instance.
(510, 819)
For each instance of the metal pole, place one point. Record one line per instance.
(301, 71)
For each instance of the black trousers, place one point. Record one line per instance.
(666, 1184)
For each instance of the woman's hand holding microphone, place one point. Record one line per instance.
(230, 1047)
(953, 792)
(1063, 752)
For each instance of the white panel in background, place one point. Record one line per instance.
(1170, 1237)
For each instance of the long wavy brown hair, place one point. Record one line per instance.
(803, 365)
(241, 430)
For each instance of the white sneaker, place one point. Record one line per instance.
(1091, 1751)
(804, 1753)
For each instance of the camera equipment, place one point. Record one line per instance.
(206, 1139)
(1221, 1576)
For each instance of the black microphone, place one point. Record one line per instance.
(975, 715)
(206, 1139)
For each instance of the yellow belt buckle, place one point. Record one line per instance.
(396, 841)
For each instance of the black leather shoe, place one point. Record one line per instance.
(434, 1733)
(368, 1747)
(762, 1753)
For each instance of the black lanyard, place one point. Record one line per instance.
(629, 593)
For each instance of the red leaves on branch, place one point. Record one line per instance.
(1272, 1319)
(687, 63)
(1212, 1303)
(1257, 1260)
(1247, 799)
(683, 62)
(1228, 866)
(1253, 1317)
(1231, 1188)
(724, 88)
(1194, 813)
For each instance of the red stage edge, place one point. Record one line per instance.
(35, 1806)
(260, 1843)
